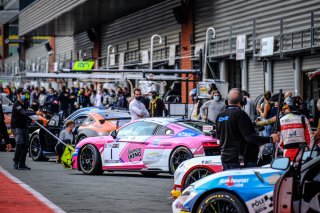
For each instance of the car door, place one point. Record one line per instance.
(127, 149)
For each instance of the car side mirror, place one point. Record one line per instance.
(280, 163)
(114, 134)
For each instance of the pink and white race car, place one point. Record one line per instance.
(150, 146)
(193, 170)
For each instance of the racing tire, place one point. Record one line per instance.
(222, 202)
(90, 160)
(177, 156)
(81, 137)
(35, 149)
(195, 175)
(149, 174)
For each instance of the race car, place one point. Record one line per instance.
(298, 190)
(99, 123)
(150, 146)
(88, 123)
(240, 190)
(193, 170)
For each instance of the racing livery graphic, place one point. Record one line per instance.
(239, 190)
(151, 146)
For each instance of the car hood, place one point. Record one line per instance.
(248, 178)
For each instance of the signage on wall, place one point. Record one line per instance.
(241, 47)
(172, 54)
(83, 65)
(112, 60)
(145, 56)
(267, 46)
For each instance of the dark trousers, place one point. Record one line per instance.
(21, 137)
(230, 165)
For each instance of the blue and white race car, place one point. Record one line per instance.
(241, 190)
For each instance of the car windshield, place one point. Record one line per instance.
(198, 126)
(120, 121)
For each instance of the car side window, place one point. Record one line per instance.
(138, 129)
(78, 121)
(89, 120)
(164, 131)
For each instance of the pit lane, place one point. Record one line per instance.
(111, 192)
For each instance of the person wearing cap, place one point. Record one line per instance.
(157, 108)
(239, 142)
(3, 131)
(66, 136)
(20, 115)
(294, 129)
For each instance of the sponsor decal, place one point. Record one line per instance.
(134, 155)
(115, 145)
(207, 128)
(261, 204)
(225, 118)
(273, 179)
(234, 182)
(187, 133)
(206, 162)
(154, 156)
(111, 161)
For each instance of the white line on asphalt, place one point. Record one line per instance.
(39, 196)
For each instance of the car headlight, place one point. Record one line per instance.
(188, 190)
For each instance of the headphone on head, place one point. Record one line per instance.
(243, 100)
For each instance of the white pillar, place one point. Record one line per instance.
(223, 70)
(268, 77)
(297, 76)
(244, 74)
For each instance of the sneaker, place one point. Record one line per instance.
(15, 166)
(24, 167)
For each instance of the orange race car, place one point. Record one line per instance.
(100, 123)
(88, 123)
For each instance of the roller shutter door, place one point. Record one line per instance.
(64, 48)
(136, 29)
(36, 52)
(220, 14)
(311, 63)
(283, 76)
(255, 78)
(82, 42)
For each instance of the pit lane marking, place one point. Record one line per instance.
(36, 194)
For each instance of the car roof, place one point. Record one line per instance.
(112, 115)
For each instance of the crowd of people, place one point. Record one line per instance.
(286, 123)
(71, 99)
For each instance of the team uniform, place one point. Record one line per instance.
(295, 129)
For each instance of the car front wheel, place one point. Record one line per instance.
(222, 202)
(90, 160)
(36, 152)
(195, 175)
(177, 156)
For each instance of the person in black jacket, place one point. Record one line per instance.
(20, 114)
(157, 108)
(4, 131)
(64, 101)
(238, 139)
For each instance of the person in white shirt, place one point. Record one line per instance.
(136, 108)
(98, 97)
